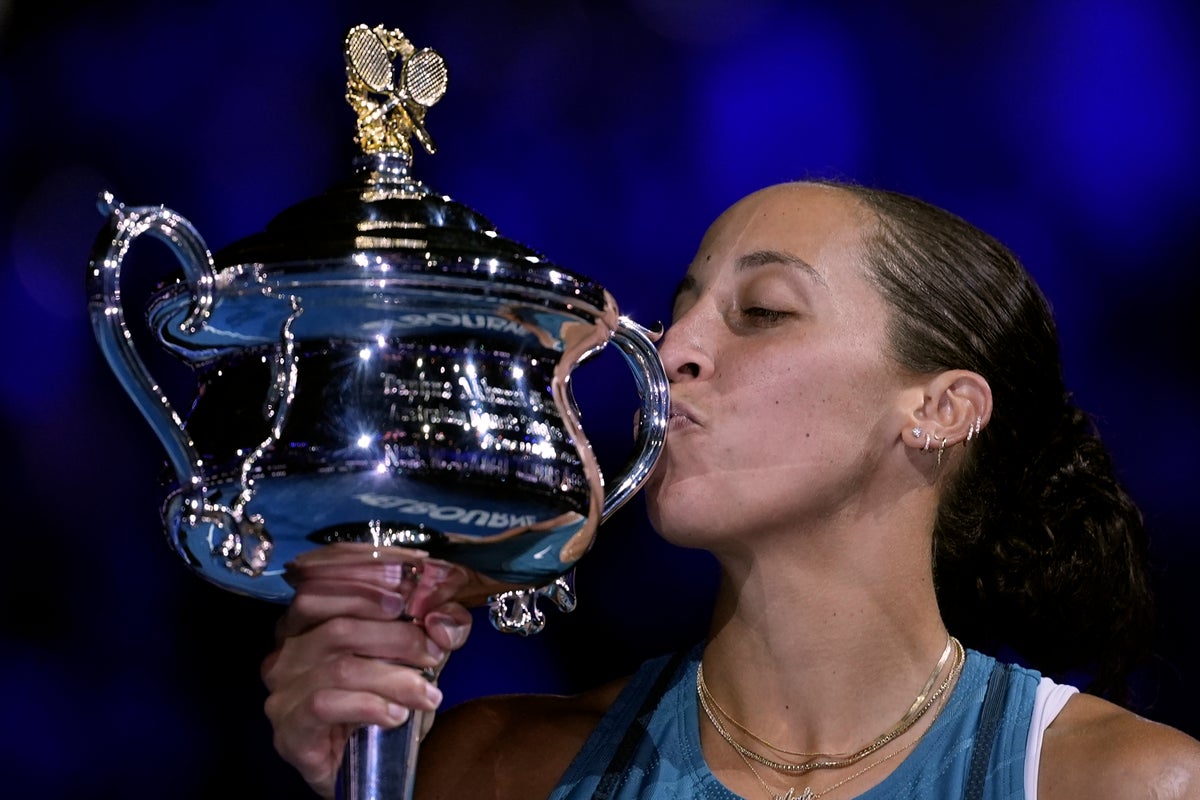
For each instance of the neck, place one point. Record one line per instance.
(840, 642)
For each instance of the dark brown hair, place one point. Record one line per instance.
(1037, 547)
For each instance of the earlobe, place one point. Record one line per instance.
(919, 432)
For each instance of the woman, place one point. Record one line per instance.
(870, 432)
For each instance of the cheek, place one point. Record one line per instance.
(781, 400)
(798, 411)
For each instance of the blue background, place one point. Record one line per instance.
(606, 135)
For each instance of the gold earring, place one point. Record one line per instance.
(941, 450)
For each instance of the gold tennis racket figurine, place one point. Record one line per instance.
(391, 107)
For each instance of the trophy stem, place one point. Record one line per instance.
(380, 763)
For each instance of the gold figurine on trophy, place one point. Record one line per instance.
(391, 108)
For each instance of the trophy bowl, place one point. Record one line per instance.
(377, 369)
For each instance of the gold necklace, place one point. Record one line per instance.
(905, 721)
(822, 761)
(808, 793)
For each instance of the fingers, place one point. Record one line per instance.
(437, 583)
(314, 713)
(357, 566)
(328, 618)
(350, 690)
(316, 601)
(316, 748)
(393, 641)
(374, 589)
(448, 626)
(355, 647)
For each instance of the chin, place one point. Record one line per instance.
(678, 521)
(682, 508)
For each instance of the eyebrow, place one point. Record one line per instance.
(759, 258)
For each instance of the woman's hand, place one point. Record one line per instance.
(356, 647)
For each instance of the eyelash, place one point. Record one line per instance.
(760, 315)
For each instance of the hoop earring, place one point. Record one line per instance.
(973, 431)
(941, 449)
(928, 443)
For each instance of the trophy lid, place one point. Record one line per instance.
(383, 224)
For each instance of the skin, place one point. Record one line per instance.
(790, 456)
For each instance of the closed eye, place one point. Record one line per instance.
(764, 317)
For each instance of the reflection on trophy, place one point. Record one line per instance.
(380, 378)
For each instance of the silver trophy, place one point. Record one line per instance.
(379, 374)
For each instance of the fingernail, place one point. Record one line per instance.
(394, 574)
(393, 604)
(433, 649)
(439, 619)
(433, 693)
(398, 713)
(434, 570)
(454, 630)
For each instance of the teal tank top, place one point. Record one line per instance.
(647, 746)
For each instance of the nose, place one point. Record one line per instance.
(685, 353)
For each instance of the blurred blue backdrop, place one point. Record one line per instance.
(606, 135)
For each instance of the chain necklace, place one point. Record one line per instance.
(821, 760)
(808, 793)
(908, 719)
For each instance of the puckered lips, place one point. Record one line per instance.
(682, 416)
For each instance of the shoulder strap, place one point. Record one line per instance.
(624, 753)
(989, 728)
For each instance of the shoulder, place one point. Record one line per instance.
(1097, 749)
(523, 743)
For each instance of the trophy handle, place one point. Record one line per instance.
(637, 345)
(516, 611)
(108, 321)
(108, 318)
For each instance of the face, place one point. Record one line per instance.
(786, 407)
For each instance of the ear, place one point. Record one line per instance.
(955, 406)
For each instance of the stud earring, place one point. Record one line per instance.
(917, 433)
